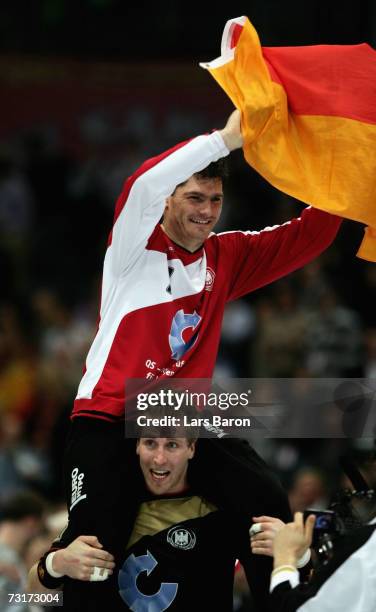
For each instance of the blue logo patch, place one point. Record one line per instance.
(135, 599)
(180, 323)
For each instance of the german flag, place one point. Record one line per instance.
(308, 120)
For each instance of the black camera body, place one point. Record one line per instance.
(325, 532)
(350, 510)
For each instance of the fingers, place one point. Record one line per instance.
(234, 119)
(90, 547)
(268, 522)
(298, 520)
(308, 528)
(87, 567)
(83, 557)
(91, 573)
(90, 540)
(105, 561)
(262, 536)
(231, 133)
(263, 547)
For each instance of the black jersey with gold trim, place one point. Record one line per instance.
(181, 557)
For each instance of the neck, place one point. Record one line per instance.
(191, 247)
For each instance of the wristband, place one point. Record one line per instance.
(49, 567)
(284, 568)
(302, 562)
(45, 578)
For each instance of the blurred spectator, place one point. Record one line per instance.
(64, 337)
(281, 334)
(313, 284)
(16, 203)
(309, 490)
(16, 218)
(21, 464)
(334, 340)
(54, 523)
(17, 365)
(370, 353)
(237, 330)
(20, 520)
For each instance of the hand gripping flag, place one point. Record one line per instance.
(308, 120)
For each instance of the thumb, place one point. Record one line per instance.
(308, 528)
(91, 541)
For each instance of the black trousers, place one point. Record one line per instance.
(104, 487)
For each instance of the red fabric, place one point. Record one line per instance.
(336, 80)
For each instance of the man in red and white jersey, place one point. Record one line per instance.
(165, 287)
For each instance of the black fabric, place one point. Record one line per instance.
(111, 481)
(201, 567)
(286, 599)
(229, 472)
(113, 484)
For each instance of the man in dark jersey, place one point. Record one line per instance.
(181, 552)
(164, 290)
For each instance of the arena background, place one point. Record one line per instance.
(88, 90)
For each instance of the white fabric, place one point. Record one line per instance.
(99, 574)
(286, 575)
(352, 587)
(304, 559)
(49, 567)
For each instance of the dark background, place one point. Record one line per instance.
(119, 30)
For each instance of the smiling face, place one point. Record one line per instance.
(192, 211)
(164, 463)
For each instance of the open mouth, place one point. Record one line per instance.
(159, 475)
(200, 221)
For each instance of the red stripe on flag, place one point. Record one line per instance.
(236, 30)
(336, 80)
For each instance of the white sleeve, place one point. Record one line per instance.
(144, 203)
(352, 587)
(284, 576)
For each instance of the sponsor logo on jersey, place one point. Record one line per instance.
(130, 593)
(181, 537)
(209, 279)
(77, 486)
(180, 323)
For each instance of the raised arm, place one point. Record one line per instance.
(142, 201)
(263, 257)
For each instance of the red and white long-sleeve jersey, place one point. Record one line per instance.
(162, 306)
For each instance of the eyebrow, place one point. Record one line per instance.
(200, 193)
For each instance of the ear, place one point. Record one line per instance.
(138, 447)
(168, 203)
(192, 449)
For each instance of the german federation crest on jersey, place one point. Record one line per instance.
(133, 597)
(209, 279)
(180, 323)
(181, 537)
